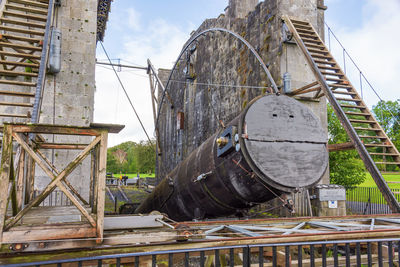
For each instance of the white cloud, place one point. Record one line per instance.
(133, 19)
(374, 46)
(161, 42)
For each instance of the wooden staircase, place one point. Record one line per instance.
(370, 140)
(22, 34)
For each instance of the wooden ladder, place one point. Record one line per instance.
(23, 29)
(373, 145)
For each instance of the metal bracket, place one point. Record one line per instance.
(228, 143)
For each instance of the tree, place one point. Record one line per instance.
(346, 168)
(120, 156)
(387, 113)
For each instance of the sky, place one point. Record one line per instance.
(157, 29)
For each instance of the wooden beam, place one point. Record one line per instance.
(61, 146)
(20, 179)
(76, 193)
(7, 149)
(54, 129)
(301, 89)
(102, 161)
(55, 179)
(341, 147)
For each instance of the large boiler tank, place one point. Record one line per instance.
(275, 145)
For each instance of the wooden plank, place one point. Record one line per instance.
(54, 129)
(29, 84)
(61, 146)
(21, 30)
(20, 46)
(54, 232)
(55, 179)
(27, 105)
(26, 9)
(299, 90)
(17, 73)
(21, 38)
(340, 147)
(23, 23)
(5, 170)
(20, 64)
(102, 164)
(30, 3)
(25, 16)
(14, 115)
(20, 179)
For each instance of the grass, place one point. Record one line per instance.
(369, 189)
(369, 182)
(132, 175)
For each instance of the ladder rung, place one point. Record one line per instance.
(309, 40)
(21, 64)
(20, 46)
(388, 163)
(328, 68)
(308, 36)
(21, 55)
(26, 9)
(21, 38)
(385, 154)
(295, 21)
(321, 47)
(312, 50)
(25, 16)
(331, 79)
(28, 105)
(30, 3)
(349, 99)
(372, 137)
(368, 129)
(358, 114)
(300, 26)
(353, 106)
(337, 85)
(319, 61)
(306, 31)
(363, 121)
(19, 94)
(321, 56)
(344, 93)
(14, 115)
(377, 145)
(20, 30)
(23, 23)
(17, 73)
(332, 73)
(17, 83)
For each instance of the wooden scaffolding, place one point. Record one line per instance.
(22, 151)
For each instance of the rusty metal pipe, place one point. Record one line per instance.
(275, 145)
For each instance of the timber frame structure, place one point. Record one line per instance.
(17, 181)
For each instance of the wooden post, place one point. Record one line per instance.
(102, 160)
(30, 180)
(20, 179)
(5, 175)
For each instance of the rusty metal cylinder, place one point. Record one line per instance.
(275, 145)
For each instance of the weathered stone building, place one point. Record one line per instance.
(218, 76)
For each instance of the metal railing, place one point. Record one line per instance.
(371, 252)
(368, 200)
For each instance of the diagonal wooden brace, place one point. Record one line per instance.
(73, 190)
(56, 180)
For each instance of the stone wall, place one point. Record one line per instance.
(216, 79)
(69, 95)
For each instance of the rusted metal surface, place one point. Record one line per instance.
(216, 181)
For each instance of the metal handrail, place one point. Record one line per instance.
(43, 65)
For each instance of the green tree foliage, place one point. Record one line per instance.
(387, 114)
(140, 157)
(346, 168)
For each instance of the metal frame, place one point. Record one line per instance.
(353, 252)
(43, 65)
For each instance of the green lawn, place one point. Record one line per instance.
(369, 182)
(131, 175)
